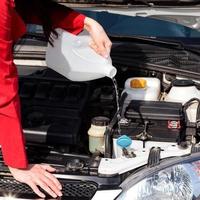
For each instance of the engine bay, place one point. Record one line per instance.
(77, 127)
(57, 115)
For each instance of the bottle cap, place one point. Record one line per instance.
(100, 121)
(124, 141)
(183, 83)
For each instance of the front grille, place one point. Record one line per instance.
(8, 185)
(70, 188)
(79, 189)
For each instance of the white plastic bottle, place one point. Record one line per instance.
(72, 57)
(96, 134)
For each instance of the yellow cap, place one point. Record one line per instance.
(138, 83)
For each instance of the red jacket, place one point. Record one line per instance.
(12, 28)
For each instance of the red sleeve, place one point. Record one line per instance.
(63, 17)
(11, 137)
(68, 20)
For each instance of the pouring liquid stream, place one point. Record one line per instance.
(117, 103)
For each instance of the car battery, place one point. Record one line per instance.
(154, 120)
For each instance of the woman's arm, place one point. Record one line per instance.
(61, 17)
(74, 22)
(11, 138)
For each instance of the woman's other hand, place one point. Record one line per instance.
(38, 175)
(100, 41)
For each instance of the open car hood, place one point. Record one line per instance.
(136, 2)
(184, 12)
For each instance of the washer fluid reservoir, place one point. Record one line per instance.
(72, 57)
(183, 91)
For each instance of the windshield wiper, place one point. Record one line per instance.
(153, 40)
(156, 41)
(135, 2)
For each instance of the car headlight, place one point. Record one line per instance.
(177, 181)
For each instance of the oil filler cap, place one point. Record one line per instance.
(124, 141)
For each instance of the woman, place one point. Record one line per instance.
(13, 17)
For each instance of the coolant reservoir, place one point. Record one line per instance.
(183, 91)
(142, 88)
(72, 57)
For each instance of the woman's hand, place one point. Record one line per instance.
(38, 175)
(100, 41)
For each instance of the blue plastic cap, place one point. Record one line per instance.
(124, 141)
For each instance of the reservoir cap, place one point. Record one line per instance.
(124, 141)
(138, 83)
(100, 121)
(183, 83)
